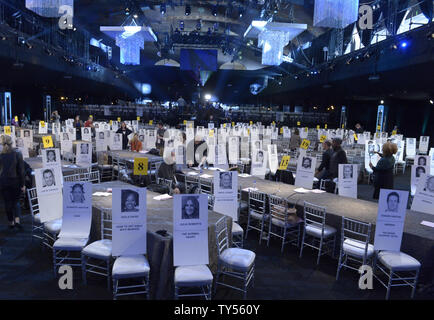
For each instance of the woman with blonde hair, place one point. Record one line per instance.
(11, 180)
(136, 144)
(383, 171)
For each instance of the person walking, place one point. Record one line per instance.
(383, 171)
(77, 125)
(11, 180)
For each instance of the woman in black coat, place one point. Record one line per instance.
(383, 171)
(125, 133)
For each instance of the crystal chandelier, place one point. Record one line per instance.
(48, 8)
(335, 13)
(272, 43)
(130, 45)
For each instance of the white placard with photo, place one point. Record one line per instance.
(424, 198)
(286, 133)
(211, 151)
(259, 163)
(65, 143)
(371, 149)
(431, 155)
(305, 172)
(101, 144)
(83, 155)
(77, 210)
(273, 159)
(221, 156)
(234, 149)
(256, 145)
(151, 139)
(43, 129)
(72, 132)
(417, 172)
(211, 125)
(190, 230)
(424, 144)
(51, 158)
(48, 180)
(86, 134)
(115, 126)
(410, 147)
(392, 207)
(129, 221)
(116, 141)
(28, 138)
(69, 123)
(422, 161)
(226, 193)
(347, 180)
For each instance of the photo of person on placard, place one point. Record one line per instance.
(258, 145)
(48, 178)
(86, 131)
(151, 133)
(421, 161)
(129, 201)
(77, 193)
(190, 207)
(170, 144)
(348, 172)
(142, 138)
(226, 180)
(429, 187)
(26, 133)
(96, 126)
(260, 156)
(306, 163)
(116, 138)
(65, 136)
(20, 143)
(392, 202)
(424, 139)
(51, 156)
(234, 140)
(101, 135)
(84, 148)
(420, 171)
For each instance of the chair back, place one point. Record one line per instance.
(33, 201)
(72, 178)
(106, 225)
(206, 186)
(221, 232)
(94, 177)
(356, 230)
(257, 202)
(278, 208)
(314, 215)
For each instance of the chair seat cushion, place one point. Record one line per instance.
(281, 223)
(190, 276)
(130, 267)
(356, 248)
(37, 218)
(236, 229)
(53, 226)
(398, 261)
(258, 216)
(315, 231)
(64, 243)
(238, 259)
(101, 249)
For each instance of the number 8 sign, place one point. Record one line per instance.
(141, 166)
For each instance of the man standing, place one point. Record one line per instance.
(159, 144)
(338, 157)
(359, 128)
(323, 169)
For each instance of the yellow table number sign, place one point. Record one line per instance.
(233, 124)
(306, 129)
(8, 130)
(16, 118)
(325, 126)
(281, 130)
(185, 122)
(42, 124)
(305, 144)
(355, 137)
(343, 126)
(151, 122)
(284, 163)
(47, 141)
(138, 118)
(317, 127)
(211, 133)
(251, 122)
(111, 122)
(394, 132)
(298, 123)
(141, 166)
(322, 138)
(119, 119)
(378, 128)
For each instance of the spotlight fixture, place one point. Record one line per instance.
(127, 11)
(163, 8)
(187, 10)
(382, 101)
(394, 46)
(403, 44)
(181, 25)
(241, 12)
(431, 101)
(136, 16)
(214, 11)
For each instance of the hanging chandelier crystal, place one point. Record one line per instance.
(48, 8)
(335, 13)
(130, 48)
(272, 43)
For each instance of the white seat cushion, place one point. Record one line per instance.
(236, 229)
(101, 249)
(356, 248)
(130, 267)
(190, 276)
(258, 216)
(64, 243)
(315, 231)
(398, 261)
(37, 218)
(281, 223)
(236, 258)
(53, 226)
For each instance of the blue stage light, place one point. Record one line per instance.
(403, 44)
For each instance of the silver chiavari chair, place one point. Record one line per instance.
(233, 262)
(197, 276)
(96, 257)
(165, 182)
(280, 224)
(206, 186)
(322, 236)
(256, 213)
(37, 226)
(94, 177)
(355, 246)
(72, 178)
(115, 167)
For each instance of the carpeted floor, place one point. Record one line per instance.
(26, 270)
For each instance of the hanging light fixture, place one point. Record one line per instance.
(48, 8)
(335, 13)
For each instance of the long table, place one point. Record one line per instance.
(129, 156)
(68, 168)
(417, 239)
(159, 248)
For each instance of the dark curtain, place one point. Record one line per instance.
(427, 9)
